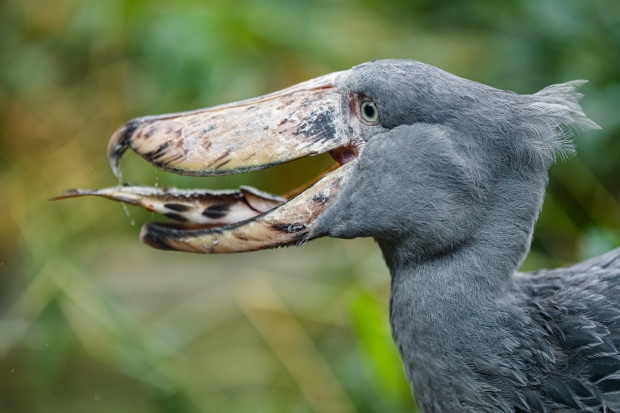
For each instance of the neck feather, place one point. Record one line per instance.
(487, 259)
(446, 307)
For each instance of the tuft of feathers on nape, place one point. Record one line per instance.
(559, 116)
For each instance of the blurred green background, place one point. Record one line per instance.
(93, 321)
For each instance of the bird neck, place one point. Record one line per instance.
(445, 308)
(483, 263)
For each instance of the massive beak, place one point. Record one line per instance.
(304, 120)
(299, 121)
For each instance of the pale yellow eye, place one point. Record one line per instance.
(369, 112)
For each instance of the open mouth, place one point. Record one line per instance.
(304, 120)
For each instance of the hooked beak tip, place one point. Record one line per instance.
(120, 141)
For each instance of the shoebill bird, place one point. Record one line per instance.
(448, 176)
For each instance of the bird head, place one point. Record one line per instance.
(419, 155)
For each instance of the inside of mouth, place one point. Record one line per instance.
(312, 166)
(344, 155)
(219, 206)
(288, 179)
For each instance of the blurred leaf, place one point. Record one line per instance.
(374, 338)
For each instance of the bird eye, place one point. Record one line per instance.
(369, 112)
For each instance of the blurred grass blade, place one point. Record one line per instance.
(41, 290)
(370, 320)
(292, 345)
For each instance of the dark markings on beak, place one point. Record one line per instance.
(290, 228)
(159, 152)
(176, 217)
(209, 128)
(219, 158)
(146, 134)
(158, 240)
(216, 211)
(222, 164)
(178, 207)
(322, 126)
(320, 198)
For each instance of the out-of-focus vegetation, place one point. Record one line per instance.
(93, 321)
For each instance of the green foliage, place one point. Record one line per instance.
(377, 348)
(90, 320)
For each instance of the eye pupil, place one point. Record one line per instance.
(369, 111)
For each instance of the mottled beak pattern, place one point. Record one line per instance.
(299, 121)
(304, 120)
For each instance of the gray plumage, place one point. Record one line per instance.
(450, 184)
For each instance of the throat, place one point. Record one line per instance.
(447, 306)
(473, 272)
(482, 261)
